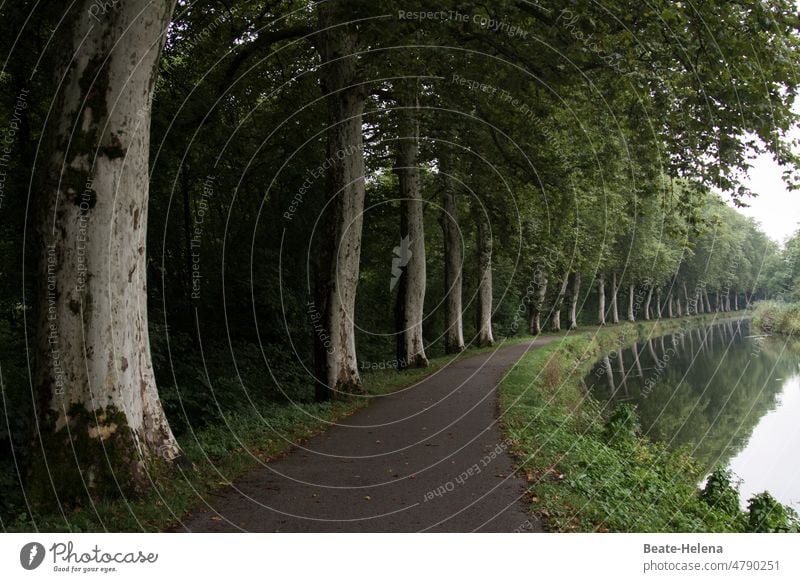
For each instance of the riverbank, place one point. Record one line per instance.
(587, 467)
(777, 317)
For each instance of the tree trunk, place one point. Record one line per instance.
(670, 314)
(559, 302)
(687, 303)
(601, 299)
(717, 307)
(453, 262)
(735, 301)
(659, 304)
(411, 293)
(647, 302)
(573, 310)
(614, 292)
(340, 250)
(631, 316)
(484, 323)
(100, 418)
(536, 314)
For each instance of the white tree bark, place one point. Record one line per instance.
(484, 323)
(559, 302)
(453, 270)
(536, 314)
(411, 293)
(688, 303)
(573, 310)
(99, 408)
(631, 315)
(614, 292)
(647, 302)
(601, 299)
(337, 367)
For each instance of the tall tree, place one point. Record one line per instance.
(98, 406)
(335, 346)
(411, 288)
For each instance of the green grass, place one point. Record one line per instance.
(777, 317)
(587, 468)
(220, 453)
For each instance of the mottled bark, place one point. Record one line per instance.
(340, 251)
(687, 303)
(411, 291)
(614, 293)
(536, 312)
(601, 299)
(573, 310)
(484, 314)
(559, 302)
(453, 273)
(100, 420)
(647, 302)
(659, 304)
(631, 315)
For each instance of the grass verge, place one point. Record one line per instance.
(221, 453)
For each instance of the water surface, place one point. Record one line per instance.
(731, 395)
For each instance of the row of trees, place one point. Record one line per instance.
(272, 167)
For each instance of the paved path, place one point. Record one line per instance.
(425, 458)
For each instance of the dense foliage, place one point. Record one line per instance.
(597, 148)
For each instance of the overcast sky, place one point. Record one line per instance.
(777, 209)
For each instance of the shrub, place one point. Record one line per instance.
(719, 492)
(767, 515)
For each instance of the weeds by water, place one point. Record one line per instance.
(589, 469)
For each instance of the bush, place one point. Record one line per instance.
(777, 317)
(623, 425)
(767, 515)
(720, 493)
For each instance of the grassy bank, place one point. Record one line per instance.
(589, 469)
(777, 317)
(219, 453)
